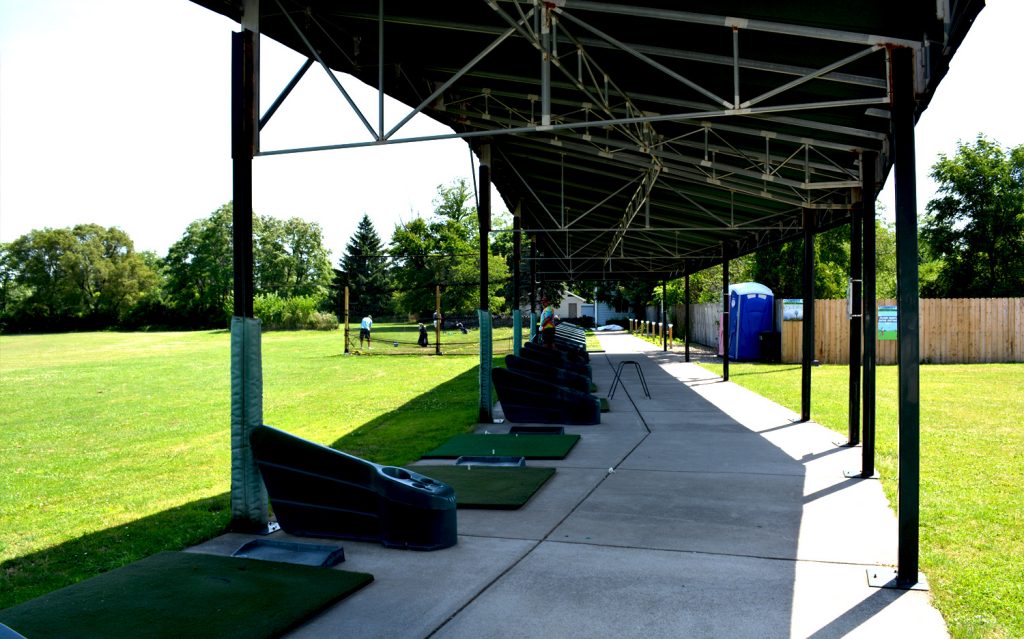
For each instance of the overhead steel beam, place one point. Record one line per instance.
(675, 117)
(452, 80)
(653, 51)
(832, 35)
(313, 52)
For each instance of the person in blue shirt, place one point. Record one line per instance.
(364, 331)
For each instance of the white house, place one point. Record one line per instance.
(572, 306)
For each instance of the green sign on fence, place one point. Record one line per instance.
(887, 323)
(792, 310)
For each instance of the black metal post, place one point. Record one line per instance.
(725, 314)
(533, 280)
(808, 321)
(870, 306)
(903, 119)
(483, 213)
(664, 316)
(484, 218)
(243, 119)
(517, 258)
(855, 317)
(686, 324)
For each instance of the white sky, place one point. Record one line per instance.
(117, 112)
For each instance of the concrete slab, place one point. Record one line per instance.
(723, 516)
(412, 592)
(834, 600)
(731, 514)
(713, 451)
(570, 590)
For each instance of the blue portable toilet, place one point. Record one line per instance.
(751, 312)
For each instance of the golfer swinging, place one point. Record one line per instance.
(364, 331)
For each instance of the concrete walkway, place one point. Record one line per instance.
(705, 511)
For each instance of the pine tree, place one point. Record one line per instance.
(364, 270)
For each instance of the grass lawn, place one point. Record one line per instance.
(402, 339)
(116, 445)
(972, 476)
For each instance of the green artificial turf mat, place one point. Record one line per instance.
(490, 487)
(178, 594)
(528, 446)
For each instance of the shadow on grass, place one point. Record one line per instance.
(38, 573)
(757, 370)
(395, 438)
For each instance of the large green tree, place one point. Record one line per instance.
(974, 229)
(87, 276)
(289, 260)
(444, 251)
(200, 270)
(364, 269)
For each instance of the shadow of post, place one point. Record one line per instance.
(395, 438)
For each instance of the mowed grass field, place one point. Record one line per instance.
(972, 476)
(117, 445)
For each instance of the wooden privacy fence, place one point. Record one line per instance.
(952, 331)
(703, 322)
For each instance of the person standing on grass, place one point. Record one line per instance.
(364, 331)
(547, 323)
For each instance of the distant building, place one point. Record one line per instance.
(573, 306)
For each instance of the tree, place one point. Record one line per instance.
(364, 269)
(444, 250)
(200, 270)
(780, 267)
(81, 277)
(289, 258)
(975, 228)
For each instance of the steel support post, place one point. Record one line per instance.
(664, 317)
(243, 119)
(686, 324)
(517, 257)
(856, 313)
(725, 314)
(249, 506)
(483, 212)
(484, 218)
(808, 321)
(903, 120)
(533, 277)
(867, 468)
(545, 64)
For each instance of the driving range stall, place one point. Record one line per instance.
(632, 141)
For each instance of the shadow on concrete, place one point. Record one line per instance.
(858, 615)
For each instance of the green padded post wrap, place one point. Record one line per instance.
(517, 331)
(486, 402)
(248, 494)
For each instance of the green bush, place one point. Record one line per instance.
(292, 313)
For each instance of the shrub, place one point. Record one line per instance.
(292, 313)
(323, 322)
